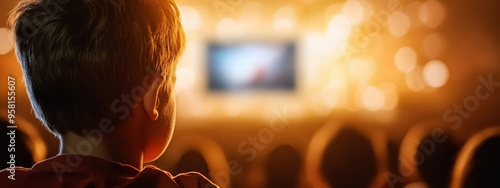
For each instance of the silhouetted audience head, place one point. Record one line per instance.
(437, 165)
(283, 167)
(349, 160)
(193, 161)
(485, 167)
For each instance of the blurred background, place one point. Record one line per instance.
(324, 93)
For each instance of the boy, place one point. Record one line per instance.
(100, 76)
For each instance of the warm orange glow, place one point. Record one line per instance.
(361, 69)
(258, 75)
(192, 105)
(284, 19)
(186, 77)
(335, 93)
(6, 42)
(433, 45)
(227, 26)
(251, 15)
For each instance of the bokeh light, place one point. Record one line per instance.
(185, 79)
(432, 13)
(339, 29)
(354, 11)
(373, 99)
(406, 59)
(367, 10)
(399, 24)
(413, 11)
(190, 17)
(436, 74)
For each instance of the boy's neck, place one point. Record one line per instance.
(116, 150)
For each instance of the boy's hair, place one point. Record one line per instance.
(82, 57)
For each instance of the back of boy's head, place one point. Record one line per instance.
(80, 56)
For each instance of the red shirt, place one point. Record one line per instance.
(85, 171)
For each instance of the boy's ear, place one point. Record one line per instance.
(150, 102)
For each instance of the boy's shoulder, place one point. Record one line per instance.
(84, 171)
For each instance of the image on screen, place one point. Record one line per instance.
(247, 66)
